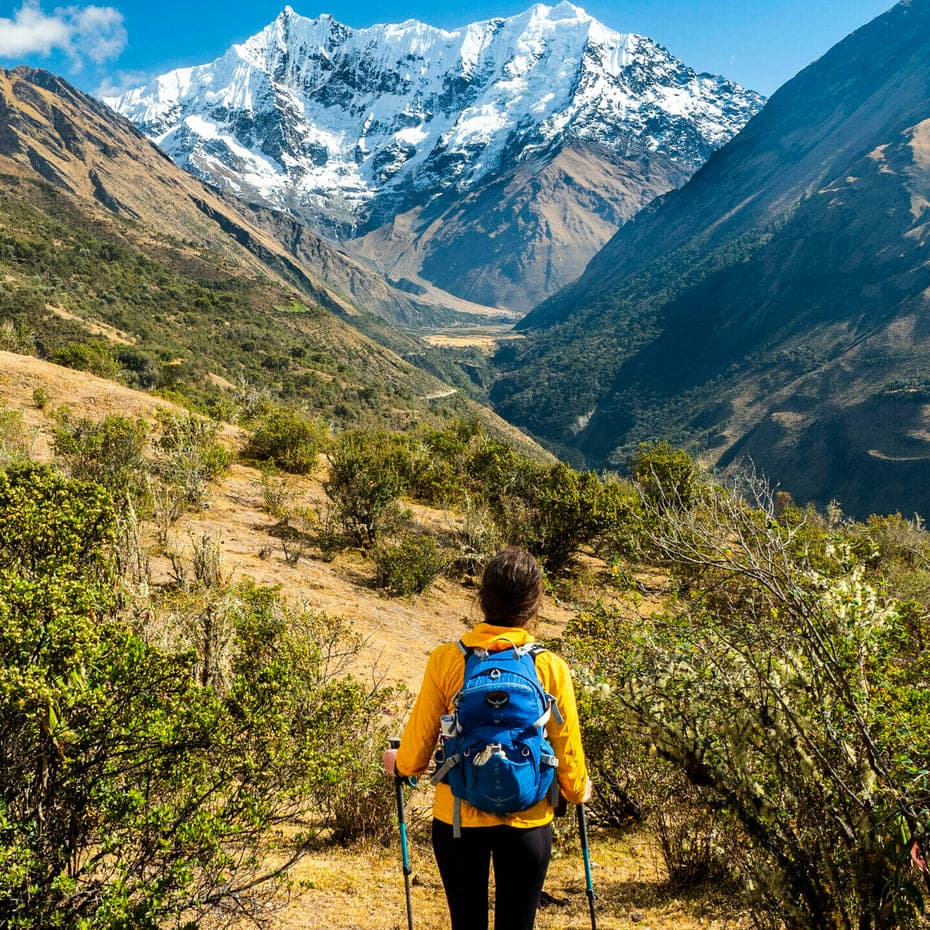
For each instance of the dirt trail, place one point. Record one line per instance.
(400, 632)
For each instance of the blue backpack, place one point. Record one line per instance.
(494, 753)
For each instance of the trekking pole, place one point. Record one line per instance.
(589, 884)
(394, 743)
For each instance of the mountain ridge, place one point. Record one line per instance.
(771, 308)
(350, 129)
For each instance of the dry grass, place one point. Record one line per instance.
(363, 889)
(486, 340)
(346, 889)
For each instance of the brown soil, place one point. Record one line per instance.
(363, 889)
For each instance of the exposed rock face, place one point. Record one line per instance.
(775, 308)
(393, 130)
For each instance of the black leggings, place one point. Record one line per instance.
(521, 858)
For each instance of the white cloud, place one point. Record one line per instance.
(94, 32)
(116, 84)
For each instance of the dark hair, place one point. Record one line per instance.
(511, 588)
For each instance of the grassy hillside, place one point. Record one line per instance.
(100, 227)
(101, 293)
(170, 315)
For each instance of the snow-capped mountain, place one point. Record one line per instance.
(347, 128)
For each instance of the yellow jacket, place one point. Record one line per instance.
(442, 680)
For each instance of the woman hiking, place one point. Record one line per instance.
(466, 840)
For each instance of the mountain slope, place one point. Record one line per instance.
(72, 141)
(526, 233)
(349, 130)
(115, 258)
(774, 307)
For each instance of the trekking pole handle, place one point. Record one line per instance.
(410, 780)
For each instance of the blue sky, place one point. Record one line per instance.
(109, 46)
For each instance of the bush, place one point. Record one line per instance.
(365, 479)
(786, 692)
(109, 453)
(140, 783)
(351, 794)
(16, 337)
(666, 476)
(558, 510)
(15, 437)
(53, 527)
(95, 356)
(277, 496)
(409, 565)
(445, 464)
(634, 785)
(287, 439)
(188, 455)
(139, 369)
(475, 541)
(295, 660)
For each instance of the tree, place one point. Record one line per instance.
(138, 788)
(791, 691)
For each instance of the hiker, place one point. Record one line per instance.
(465, 839)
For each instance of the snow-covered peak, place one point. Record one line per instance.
(353, 124)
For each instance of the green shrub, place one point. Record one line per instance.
(95, 356)
(409, 565)
(463, 459)
(15, 437)
(277, 496)
(557, 510)
(16, 337)
(366, 477)
(53, 526)
(188, 455)
(139, 369)
(292, 663)
(351, 794)
(495, 469)
(141, 783)
(792, 694)
(665, 475)
(287, 439)
(475, 540)
(109, 453)
(438, 461)
(634, 785)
